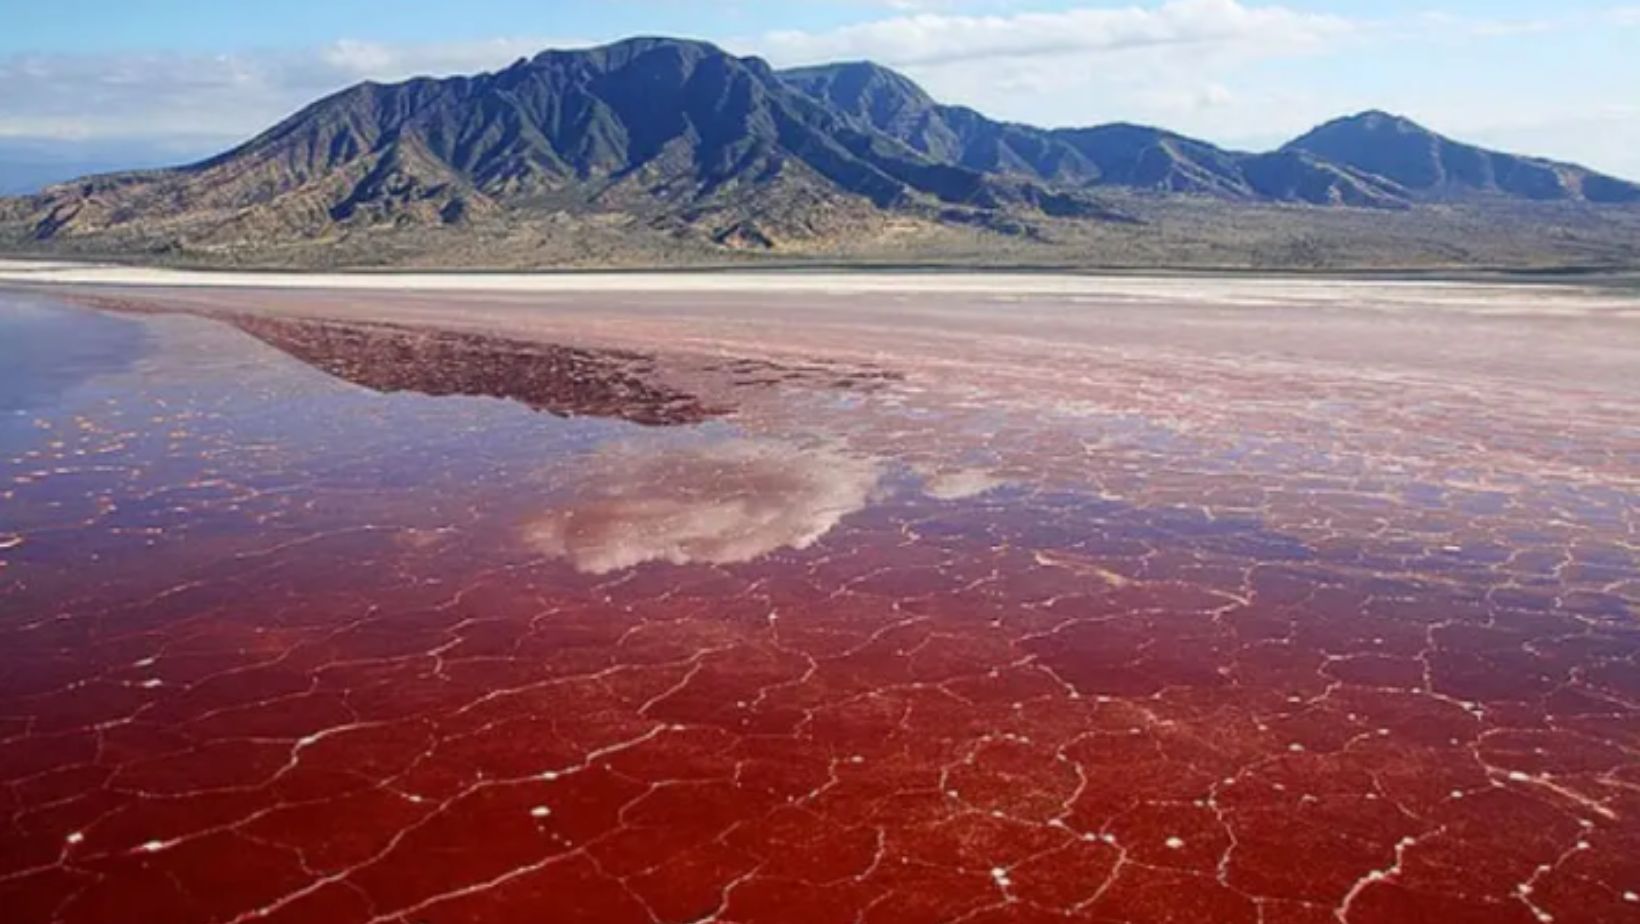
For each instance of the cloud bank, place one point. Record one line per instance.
(66, 96)
(932, 38)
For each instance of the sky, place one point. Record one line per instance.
(151, 80)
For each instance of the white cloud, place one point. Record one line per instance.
(718, 503)
(377, 61)
(1435, 23)
(907, 6)
(934, 38)
(69, 96)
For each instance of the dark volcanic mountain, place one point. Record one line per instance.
(675, 131)
(653, 149)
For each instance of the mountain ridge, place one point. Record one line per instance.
(673, 142)
(1146, 157)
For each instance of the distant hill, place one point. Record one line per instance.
(28, 166)
(657, 150)
(1429, 166)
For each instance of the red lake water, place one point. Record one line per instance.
(336, 621)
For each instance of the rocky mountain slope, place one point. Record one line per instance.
(656, 150)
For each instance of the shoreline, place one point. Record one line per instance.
(1618, 295)
(1602, 277)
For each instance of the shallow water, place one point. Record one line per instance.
(46, 349)
(285, 637)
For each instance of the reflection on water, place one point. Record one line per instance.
(565, 381)
(716, 503)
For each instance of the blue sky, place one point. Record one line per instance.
(201, 25)
(1552, 78)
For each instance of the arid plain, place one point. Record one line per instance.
(806, 597)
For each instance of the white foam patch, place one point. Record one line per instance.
(960, 484)
(717, 503)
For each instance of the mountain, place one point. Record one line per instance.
(1431, 167)
(1371, 160)
(656, 150)
(874, 98)
(677, 132)
(1128, 156)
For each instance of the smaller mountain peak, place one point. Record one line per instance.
(1341, 138)
(1377, 120)
(850, 83)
